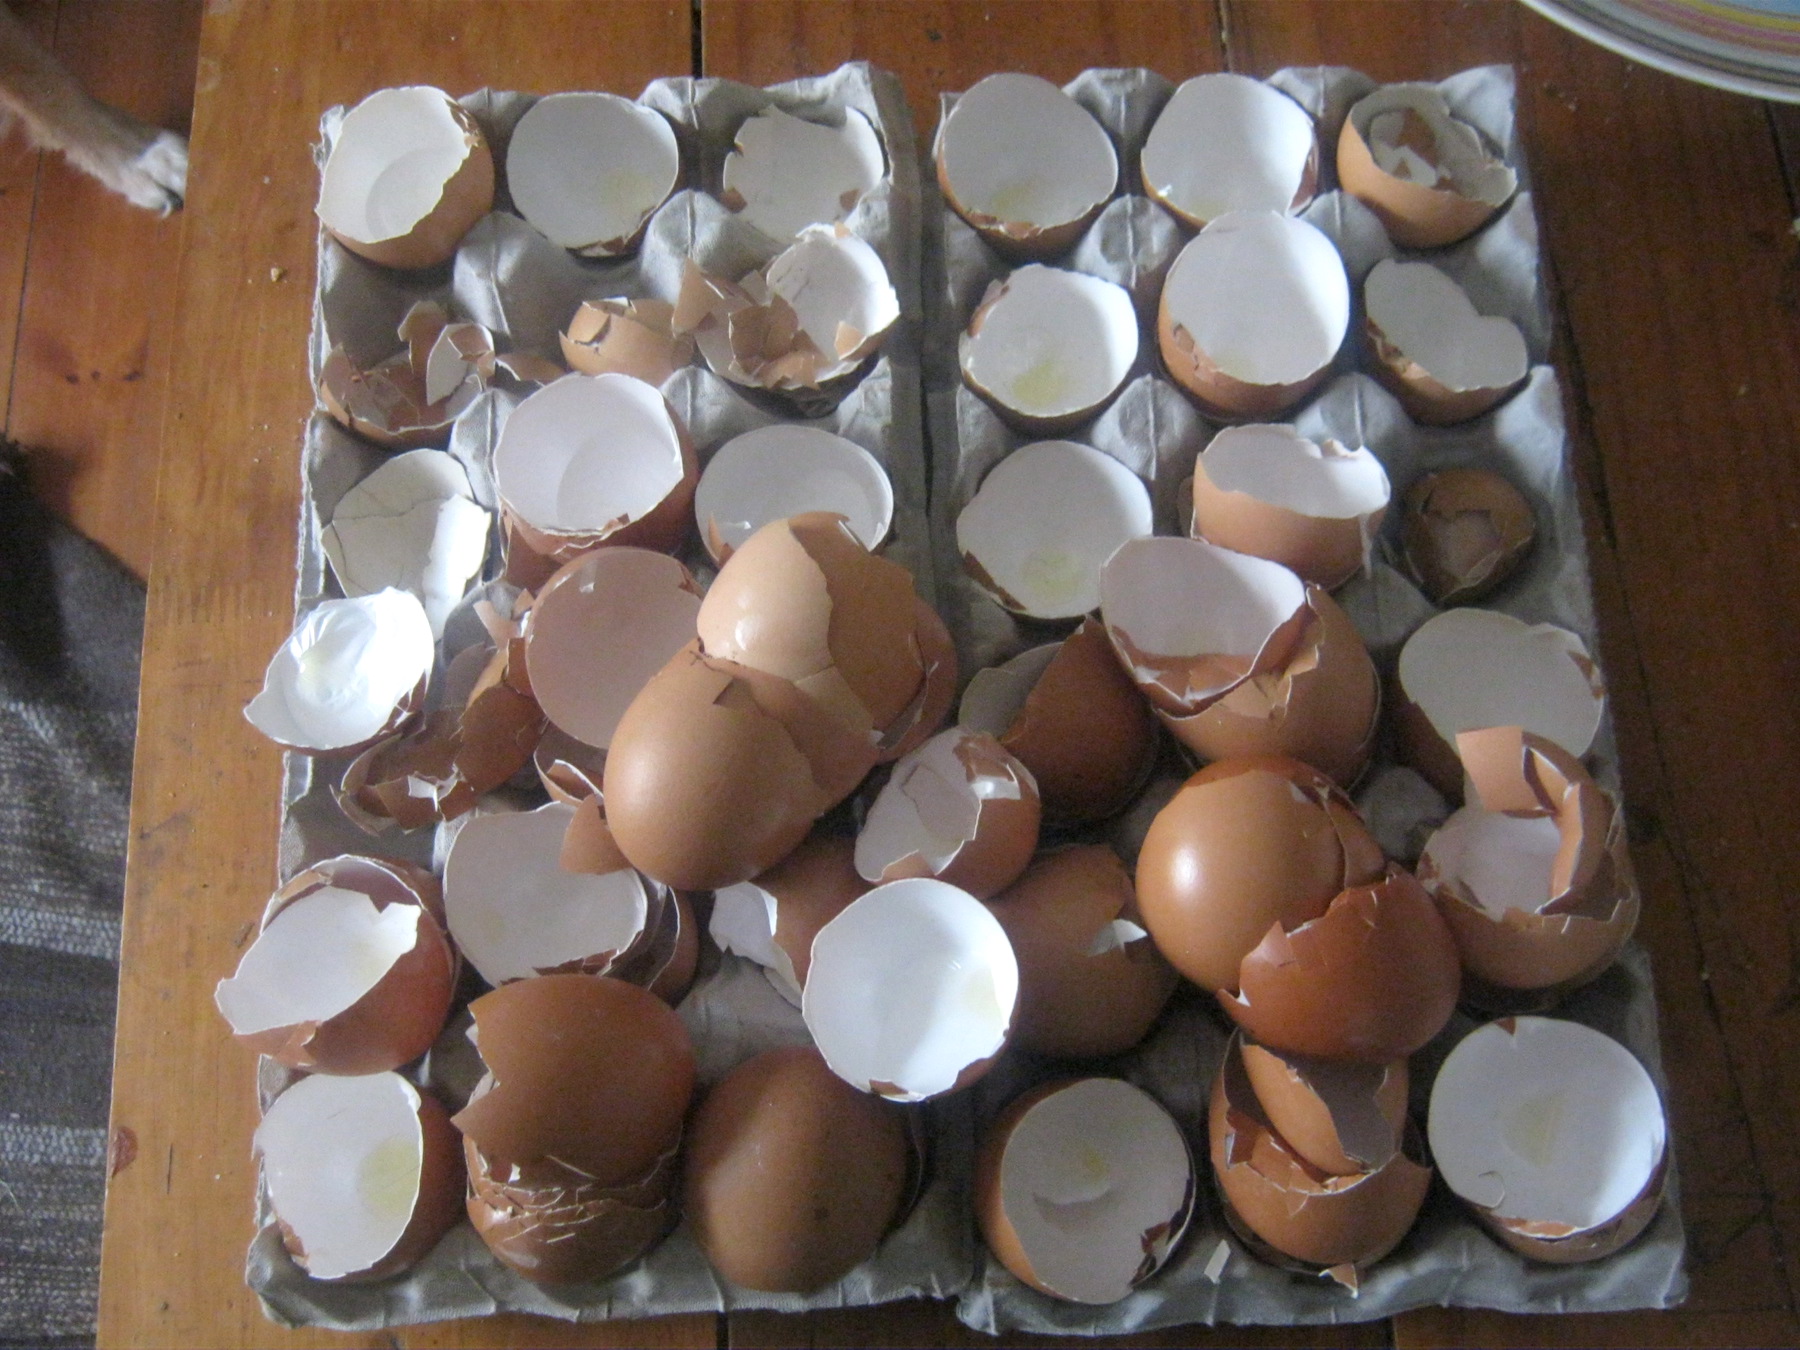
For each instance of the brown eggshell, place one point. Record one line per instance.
(812, 886)
(1414, 216)
(1217, 393)
(588, 1070)
(1075, 1001)
(1551, 1244)
(1427, 400)
(792, 1175)
(1463, 532)
(677, 977)
(569, 771)
(1324, 1108)
(1245, 844)
(925, 715)
(1373, 978)
(626, 337)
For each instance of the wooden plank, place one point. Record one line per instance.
(19, 168)
(205, 796)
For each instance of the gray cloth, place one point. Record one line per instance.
(71, 623)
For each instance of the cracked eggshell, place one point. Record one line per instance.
(792, 1176)
(1372, 978)
(1340, 1116)
(1246, 844)
(1429, 177)
(937, 691)
(599, 629)
(1286, 1205)
(1225, 143)
(351, 672)
(589, 169)
(1467, 669)
(773, 918)
(622, 336)
(1313, 506)
(1084, 1188)
(569, 770)
(1553, 1135)
(786, 470)
(1024, 164)
(1090, 980)
(1071, 716)
(960, 808)
(407, 177)
(785, 173)
(1442, 360)
(1044, 520)
(839, 290)
(362, 1173)
(1252, 314)
(406, 401)
(350, 973)
(911, 991)
(1535, 882)
(1463, 533)
(1049, 348)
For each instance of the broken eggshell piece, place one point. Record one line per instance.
(773, 918)
(403, 403)
(622, 336)
(588, 169)
(1084, 1189)
(788, 470)
(1341, 1116)
(1428, 176)
(785, 173)
(1553, 1134)
(1463, 532)
(1442, 360)
(911, 990)
(1226, 142)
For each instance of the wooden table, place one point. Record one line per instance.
(1668, 215)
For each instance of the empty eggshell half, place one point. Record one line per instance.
(621, 336)
(1341, 1116)
(1442, 360)
(959, 808)
(362, 1173)
(1463, 532)
(1253, 312)
(772, 918)
(588, 169)
(1225, 143)
(1553, 1135)
(785, 173)
(407, 176)
(1428, 176)
(1084, 1189)
(788, 470)
(911, 990)
(1467, 669)
(1048, 348)
(351, 671)
(1313, 506)
(1026, 165)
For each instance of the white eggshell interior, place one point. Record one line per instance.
(1549, 1121)
(1462, 164)
(929, 807)
(1186, 597)
(839, 289)
(1277, 465)
(909, 986)
(1474, 668)
(1093, 1180)
(587, 452)
(595, 638)
(317, 957)
(588, 169)
(339, 677)
(393, 155)
(1429, 318)
(1264, 295)
(786, 470)
(1015, 147)
(996, 695)
(1227, 142)
(744, 920)
(1044, 520)
(341, 1158)
(792, 173)
(1505, 862)
(1054, 343)
(513, 910)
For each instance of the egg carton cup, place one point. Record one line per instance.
(1156, 432)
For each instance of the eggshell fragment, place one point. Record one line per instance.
(1049, 348)
(1444, 362)
(1090, 980)
(1467, 669)
(626, 337)
(772, 918)
(1428, 176)
(785, 173)
(397, 403)
(1552, 1134)
(789, 470)
(407, 176)
(911, 990)
(588, 169)
(1084, 1189)
(1463, 533)
(1070, 715)
(1226, 142)
(352, 671)
(792, 1175)
(1044, 521)
(362, 1173)
(1026, 165)
(1341, 1116)
(569, 770)
(1253, 312)
(959, 808)
(1313, 506)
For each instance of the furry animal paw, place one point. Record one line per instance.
(156, 179)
